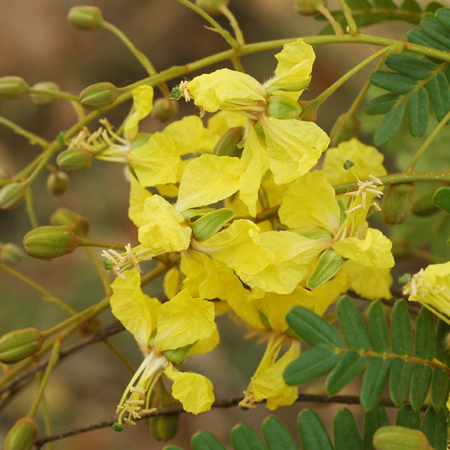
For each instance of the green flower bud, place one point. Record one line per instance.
(209, 224)
(87, 18)
(164, 109)
(346, 127)
(64, 216)
(400, 438)
(212, 7)
(57, 183)
(397, 203)
(74, 160)
(282, 107)
(308, 7)
(228, 144)
(22, 435)
(20, 344)
(10, 252)
(44, 100)
(178, 355)
(423, 202)
(98, 96)
(50, 242)
(11, 196)
(328, 265)
(13, 88)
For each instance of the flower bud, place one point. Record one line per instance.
(57, 183)
(308, 7)
(64, 216)
(44, 100)
(210, 223)
(20, 344)
(178, 355)
(400, 438)
(98, 96)
(164, 109)
(328, 265)
(164, 427)
(423, 202)
(228, 144)
(10, 252)
(74, 160)
(346, 127)
(212, 7)
(13, 88)
(87, 18)
(282, 107)
(11, 196)
(397, 203)
(50, 242)
(22, 435)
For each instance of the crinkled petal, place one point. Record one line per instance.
(293, 146)
(206, 345)
(311, 201)
(207, 180)
(143, 104)
(138, 194)
(194, 391)
(374, 251)
(172, 282)
(183, 321)
(368, 161)
(164, 228)
(222, 121)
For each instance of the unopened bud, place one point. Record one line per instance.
(11, 196)
(98, 96)
(308, 7)
(283, 107)
(178, 355)
(423, 202)
(44, 100)
(50, 242)
(346, 127)
(13, 88)
(57, 183)
(20, 344)
(64, 216)
(164, 109)
(328, 265)
(228, 144)
(210, 223)
(400, 438)
(87, 18)
(22, 435)
(397, 203)
(212, 7)
(74, 160)
(164, 427)
(10, 252)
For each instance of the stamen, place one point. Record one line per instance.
(376, 180)
(135, 402)
(137, 390)
(349, 211)
(129, 421)
(376, 206)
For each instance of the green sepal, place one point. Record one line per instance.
(211, 223)
(179, 355)
(328, 265)
(283, 107)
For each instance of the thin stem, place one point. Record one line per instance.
(233, 22)
(349, 18)
(33, 138)
(103, 274)
(30, 208)
(427, 256)
(119, 356)
(333, 22)
(65, 95)
(47, 419)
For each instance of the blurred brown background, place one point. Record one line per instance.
(37, 43)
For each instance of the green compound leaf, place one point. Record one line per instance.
(400, 377)
(393, 82)
(435, 428)
(375, 379)
(408, 418)
(439, 92)
(418, 112)
(439, 388)
(313, 329)
(349, 367)
(411, 5)
(346, 434)
(203, 440)
(442, 353)
(420, 383)
(402, 337)
(358, 5)
(389, 125)
(425, 335)
(443, 17)
(384, 4)
(172, 447)
(352, 325)
(436, 31)
(373, 420)
(244, 438)
(410, 66)
(276, 435)
(420, 38)
(313, 435)
(381, 105)
(379, 332)
(311, 365)
(441, 199)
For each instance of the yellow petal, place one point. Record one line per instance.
(138, 194)
(137, 312)
(310, 201)
(206, 345)
(330, 291)
(164, 228)
(172, 282)
(374, 251)
(194, 391)
(183, 321)
(368, 161)
(293, 146)
(143, 104)
(222, 121)
(168, 190)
